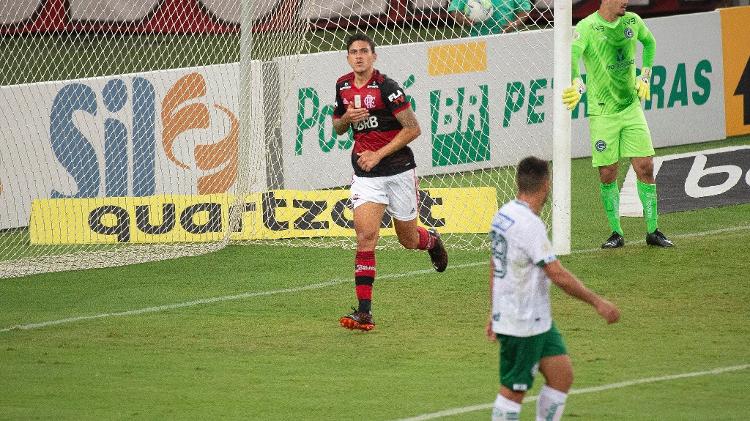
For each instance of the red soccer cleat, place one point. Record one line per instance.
(357, 320)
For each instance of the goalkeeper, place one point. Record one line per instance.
(606, 40)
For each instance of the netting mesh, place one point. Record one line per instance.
(144, 130)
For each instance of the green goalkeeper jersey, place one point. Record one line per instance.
(608, 50)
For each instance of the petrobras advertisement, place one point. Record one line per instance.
(134, 135)
(487, 102)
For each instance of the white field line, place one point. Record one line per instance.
(319, 285)
(594, 389)
(224, 298)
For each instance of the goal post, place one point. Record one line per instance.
(561, 154)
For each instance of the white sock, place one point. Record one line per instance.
(550, 404)
(505, 409)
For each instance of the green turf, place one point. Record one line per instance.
(282, 356)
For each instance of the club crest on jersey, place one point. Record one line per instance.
(369, 101)
(628, 33)
(600, 145)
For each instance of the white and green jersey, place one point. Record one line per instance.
(608, 50)
(520, 291)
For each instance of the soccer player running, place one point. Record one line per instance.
(522, 265)
(607, 40)
(507, 16)
(384, 179)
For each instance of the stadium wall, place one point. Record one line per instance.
(694, 100)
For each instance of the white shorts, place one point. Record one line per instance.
(398, 192)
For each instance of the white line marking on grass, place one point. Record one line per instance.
(487, 406)
(202, 301)
(319, 285)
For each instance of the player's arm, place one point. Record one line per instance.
(575, 288)
(343, 116)
(522, 13)
(572, 94)
(643, 82)
(341, 124)
(518, 23)
(410, 131)
(488, 329)
(457, 15)
(460, 18)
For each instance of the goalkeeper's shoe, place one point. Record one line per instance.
(357, 320)
(656, 238)
(572, 94)
(614, 241)
(438, 254)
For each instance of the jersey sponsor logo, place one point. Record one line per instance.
(368, 123)
(628, 33)
(345, 86)
(600, 145)
(397, 97)
(373, 85)
(520, 387)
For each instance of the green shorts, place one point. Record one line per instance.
(519, 357)
(621, 135)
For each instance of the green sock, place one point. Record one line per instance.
(611, 200)
(647, 194)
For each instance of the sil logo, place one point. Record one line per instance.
(628, 33)
(128, 111)
(600, 145)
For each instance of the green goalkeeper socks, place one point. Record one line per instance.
(647, 194)
(611, 200)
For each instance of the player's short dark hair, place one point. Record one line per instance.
(531, 174)
(360, 37)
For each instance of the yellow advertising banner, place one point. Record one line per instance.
(270, 215)
(736, 48)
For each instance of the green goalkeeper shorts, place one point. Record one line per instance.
(624, 134)
(519, 357)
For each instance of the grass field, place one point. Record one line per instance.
(250, 332)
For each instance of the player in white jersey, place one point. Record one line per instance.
(522, 267)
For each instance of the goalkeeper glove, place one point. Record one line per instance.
(572, 94)
(643, 85)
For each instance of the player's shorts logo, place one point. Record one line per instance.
(600, 145)
(628, 33)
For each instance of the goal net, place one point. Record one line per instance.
(145, 130)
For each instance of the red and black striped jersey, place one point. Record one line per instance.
(383, 98)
